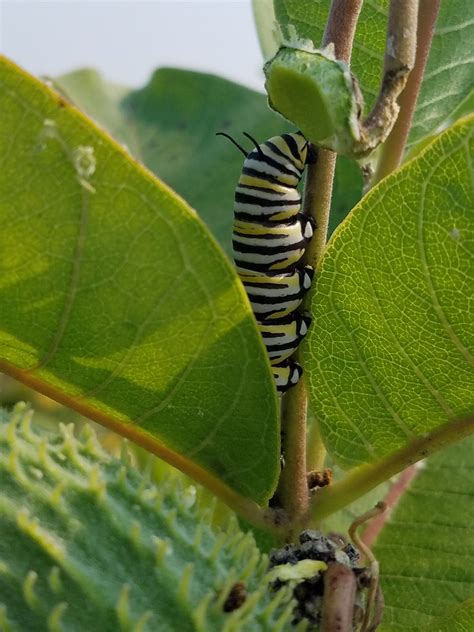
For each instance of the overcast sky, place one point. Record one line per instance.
(127, 39)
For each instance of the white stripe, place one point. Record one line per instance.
(252, 257)
(262, 242)
(290, 193)
(262, 167)
(251, 209)
(284, 162)
(277, 292)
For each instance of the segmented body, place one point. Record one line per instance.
(269, 240)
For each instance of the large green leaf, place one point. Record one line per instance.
(458, 619)
(426, 551)
(115, 300)
(389, 356)
(88, 543)
(450, 71)
(170, 125)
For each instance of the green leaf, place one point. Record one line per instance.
(459, 619)
(449, 74)
(426, 551)
(116, 301)
(389, 355)
(346, 192)
(88, 543)
(170, 125)
(465, 108)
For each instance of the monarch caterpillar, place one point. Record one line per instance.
(270, 235)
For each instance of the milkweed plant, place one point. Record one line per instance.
(277, 347)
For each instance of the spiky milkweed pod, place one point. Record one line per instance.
(87, 544)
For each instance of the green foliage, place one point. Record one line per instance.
(426, 551)
(450, 71)
(387, 357)
(117, 301)
(163, 126)
(458, 619)
(86, 543)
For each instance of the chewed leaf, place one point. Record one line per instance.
(315, 92)
(115, 299)
(390, 355)
(449, 73)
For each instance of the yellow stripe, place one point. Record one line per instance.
(296, 256)
(286, 214)
(249, 228)
(253, 181)
(252, 228)
(288, 329)
(292, 281)
(282, 146)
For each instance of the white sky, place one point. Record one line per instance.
(127, 39)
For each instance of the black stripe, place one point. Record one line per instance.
(271, 162)
(264, 236)
(273, 300)
(244, 198)
(264, 267)
(268, 250)
(268, 177)
(272, 334)
(292, 146)
(251, 187)
(286, 347)
(266, 217)
(265, 286)
(290, 157)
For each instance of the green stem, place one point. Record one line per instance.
(315, 450)
(392, 150)
(362, 479)
(292, 490)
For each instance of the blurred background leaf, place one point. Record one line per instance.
(170, 125)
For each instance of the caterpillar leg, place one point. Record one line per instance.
(282, 337)
(286, 375)
(268, 247)
(275, 296)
